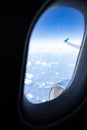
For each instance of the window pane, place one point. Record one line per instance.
(52, 54)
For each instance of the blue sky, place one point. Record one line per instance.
(58, 23)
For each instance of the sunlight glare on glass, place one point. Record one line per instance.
(52, 54)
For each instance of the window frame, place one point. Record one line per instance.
(50, 112)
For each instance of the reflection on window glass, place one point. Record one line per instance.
(52, 54)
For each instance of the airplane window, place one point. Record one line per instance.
(53, 50)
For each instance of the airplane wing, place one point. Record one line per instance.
(71, 44)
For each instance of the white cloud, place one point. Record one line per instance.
(44, 63)
(28, 63)
(71, 65)
(37, 62)
(27, 81)
(29, 76)
(29, 95)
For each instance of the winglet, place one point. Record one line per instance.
(66, 40)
